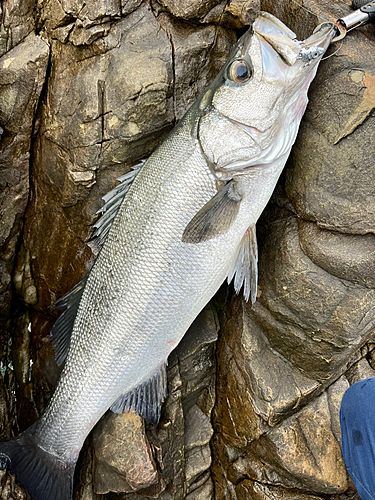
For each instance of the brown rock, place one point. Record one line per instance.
(311, 318)
(330, 179)
(304, 452)
(17, 22)
(9, 489)
(256, 491)
(123, 459)
(22, 75)
(349, 257)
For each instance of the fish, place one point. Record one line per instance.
(176, 226)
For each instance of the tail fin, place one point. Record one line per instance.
(42, 474)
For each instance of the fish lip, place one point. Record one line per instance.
(322, 37)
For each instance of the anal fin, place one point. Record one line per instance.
(147, 398)
(245, 266)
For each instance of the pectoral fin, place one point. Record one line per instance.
(245, 266)
(216, 217)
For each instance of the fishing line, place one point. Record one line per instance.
(342, 2)
(320, 17)
(333, 53)
(310, 11)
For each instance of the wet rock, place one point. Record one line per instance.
(23, 70)
(9, 489)
(349, 257)
(330, 177)
(314, 320)
(123, 460)
(304, 452)
(256, 491)
(17, 22)
(122, 73)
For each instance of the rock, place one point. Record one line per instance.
(23, 70)
(256, 414)
(93, 129)
(9, 489)
(204, 492)
(235, 14)
(122, 455)
(17, 22)
(311, 318)
(256, 491)
(199, 431)
(185, 9)
(198, 53)
(330, 176)
(349, 257)
(304, 452)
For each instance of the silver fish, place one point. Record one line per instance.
(175, 228)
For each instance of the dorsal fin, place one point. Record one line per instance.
(112, 202)
(61, 330)
(245, 266)
(147, 398)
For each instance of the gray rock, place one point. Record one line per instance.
(204, 492)
(198, 461)
(199, 431)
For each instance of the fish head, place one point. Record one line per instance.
(258, 99)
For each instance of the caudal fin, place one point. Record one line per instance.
(42, 474)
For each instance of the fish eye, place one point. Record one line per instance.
(240, 71)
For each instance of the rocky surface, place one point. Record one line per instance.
(87, 90)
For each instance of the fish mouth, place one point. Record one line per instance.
(284, 41)
(322, 36)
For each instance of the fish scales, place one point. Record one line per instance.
(185, 224)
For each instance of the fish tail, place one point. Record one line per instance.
(43, 475)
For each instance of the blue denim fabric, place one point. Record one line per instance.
(357, 419)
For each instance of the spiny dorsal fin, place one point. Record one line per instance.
(62, 329)
(147, 398)
(245, 266)
(108, 211)
(216, 217)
